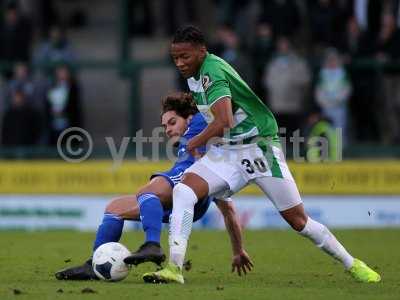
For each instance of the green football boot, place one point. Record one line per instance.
(362, 273)
(170, 274)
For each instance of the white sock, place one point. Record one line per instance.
(181, 222)
(324, 239)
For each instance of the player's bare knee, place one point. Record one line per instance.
(113, 207)
(123, 207)
(197, 184)
(295, 217)
(298, 222)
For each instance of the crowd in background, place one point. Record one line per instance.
(305, 59)
(35, 109)
(308, 60)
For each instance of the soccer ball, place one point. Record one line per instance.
(108, 262)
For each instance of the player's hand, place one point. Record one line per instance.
(241, 262)
(192, 150)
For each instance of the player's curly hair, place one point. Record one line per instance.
(189, 34)
(180, 102)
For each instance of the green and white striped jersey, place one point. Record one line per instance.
(216, 80)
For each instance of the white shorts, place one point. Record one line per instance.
(228, 169)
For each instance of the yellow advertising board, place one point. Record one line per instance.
(99, 177)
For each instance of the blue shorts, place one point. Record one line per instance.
(174, 176)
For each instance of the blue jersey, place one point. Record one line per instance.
(196, 125)
(184, 161)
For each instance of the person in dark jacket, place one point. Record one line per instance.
(63, 105)
(21, 123)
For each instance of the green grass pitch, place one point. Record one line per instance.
(287, 266)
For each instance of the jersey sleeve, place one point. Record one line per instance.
(196, 126)
(215, 84)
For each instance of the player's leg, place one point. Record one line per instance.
(128, 208)
(145, 206)
(110, 230)
(185, 197)
(151, 200)
(118, 210)
(286, 198)
(197, 183)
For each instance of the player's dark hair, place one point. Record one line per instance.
(180, 102)
(189, 34)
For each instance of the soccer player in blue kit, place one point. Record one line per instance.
(152, 205)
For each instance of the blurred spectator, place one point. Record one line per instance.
(363, 28)
(333, 91)
(21, 80)
(367, 15)
(351, 41)
(363, 105)
(21, 122)
(236, 13)
(388, 42)
(227, 47)
(387, 51)
(57, 49)
(46, 15)
(228, 11)
(33, 89)
(315, 128)
(140, 18)
(261, 50)
(15, 37)
(63, 106)
(287, 78)
(283, 15)
(326, 23)
(179, 12)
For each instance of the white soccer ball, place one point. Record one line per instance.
(108, 262)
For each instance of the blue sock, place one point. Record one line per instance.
(151, 214)
(110, 230)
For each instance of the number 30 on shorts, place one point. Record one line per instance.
(251, 167)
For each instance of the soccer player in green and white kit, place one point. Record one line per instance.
(248, 153)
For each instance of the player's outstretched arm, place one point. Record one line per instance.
(241, 261)
(223, 118)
